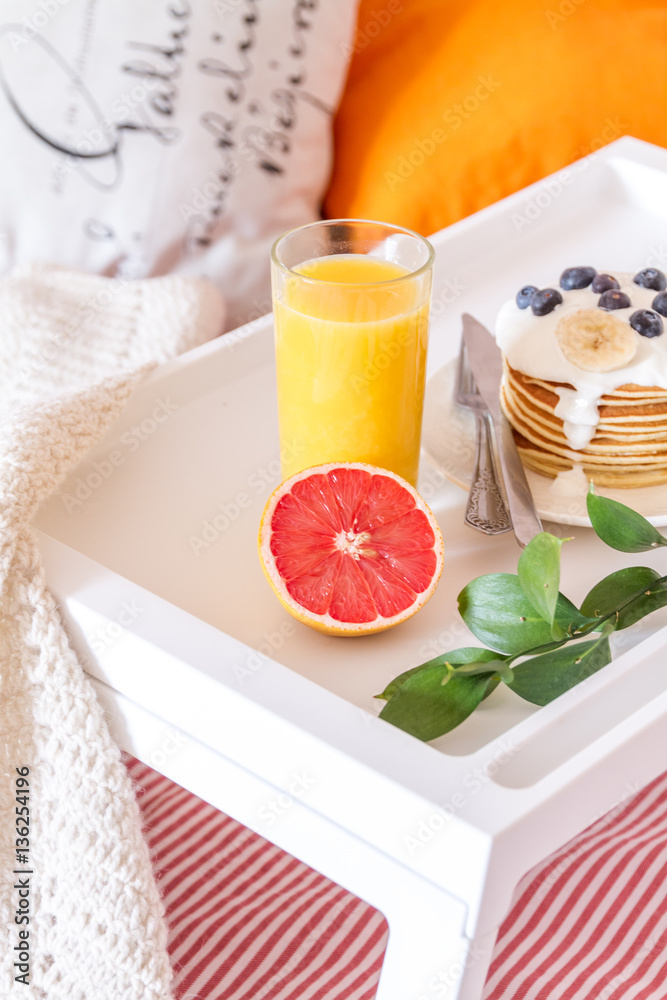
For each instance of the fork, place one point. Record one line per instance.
(485, 509)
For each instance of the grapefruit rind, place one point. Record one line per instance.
(326, 623)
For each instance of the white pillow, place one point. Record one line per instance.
(144, 138)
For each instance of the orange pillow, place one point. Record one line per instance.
(451, 105)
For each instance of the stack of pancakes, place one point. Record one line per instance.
(628, 449)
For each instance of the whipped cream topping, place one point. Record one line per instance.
(530, 345)
(579, 412)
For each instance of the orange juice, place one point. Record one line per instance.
(351, 345)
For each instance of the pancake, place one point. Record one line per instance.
(593, 399)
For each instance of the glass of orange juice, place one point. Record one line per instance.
(351, 302)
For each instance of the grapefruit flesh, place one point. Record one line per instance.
(350, 548)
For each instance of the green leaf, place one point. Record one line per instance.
(543, 678)
(466, 654)
(426, 708)
(653, 598)
(617, 588)
(539, 576)
(621, 527)
(497, 665)
(494, 681)
(568, 615)
(498, 613)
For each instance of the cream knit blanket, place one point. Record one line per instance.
(72, 347)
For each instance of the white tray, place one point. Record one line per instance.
(175, 633)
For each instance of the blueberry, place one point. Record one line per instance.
(660, 303)
(613, 299)
(603, 282)
(545, 300)
(650, 277)
(577, 277)
(524, 296)
(646, 322)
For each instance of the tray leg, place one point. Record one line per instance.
(478, 960)
(428, 956)
(427, 960)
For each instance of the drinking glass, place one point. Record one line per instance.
(351, 304)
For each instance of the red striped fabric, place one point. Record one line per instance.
(249, 921)
(245, 919)
(590, 922)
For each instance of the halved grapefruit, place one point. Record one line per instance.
(349, 548)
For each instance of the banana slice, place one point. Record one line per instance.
(595, 340)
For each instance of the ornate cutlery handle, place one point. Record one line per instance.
(486, 508)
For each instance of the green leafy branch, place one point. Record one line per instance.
(535, 638)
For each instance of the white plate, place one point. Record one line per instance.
(449, 444)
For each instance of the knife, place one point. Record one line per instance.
(486, 364)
